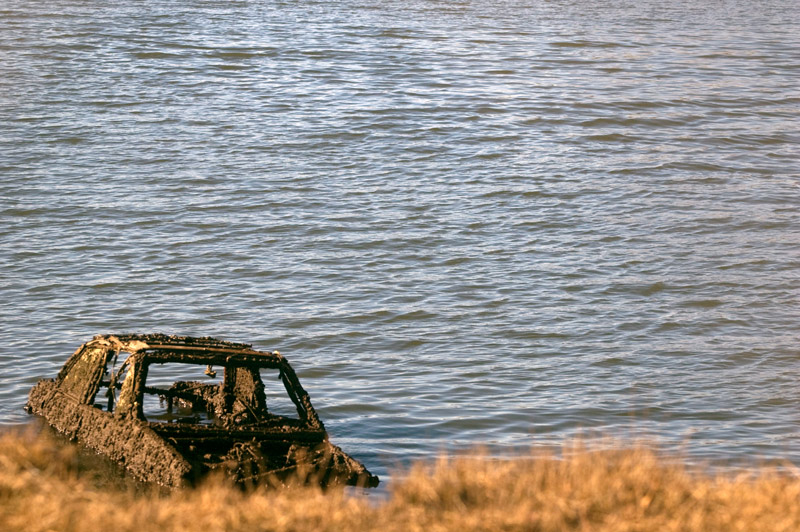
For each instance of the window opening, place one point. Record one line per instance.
(278, 401)
(111, 383)
(181, 393)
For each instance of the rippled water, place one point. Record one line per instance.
(463, 222)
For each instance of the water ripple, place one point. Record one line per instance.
(463, 222)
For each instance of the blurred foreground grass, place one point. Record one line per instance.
(623, 490)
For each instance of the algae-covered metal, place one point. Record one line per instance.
(173, 409)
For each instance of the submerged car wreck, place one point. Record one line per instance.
(125, 397)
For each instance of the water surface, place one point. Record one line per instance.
(501, 223)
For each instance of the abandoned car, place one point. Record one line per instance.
(173, 409)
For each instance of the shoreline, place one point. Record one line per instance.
(42, 488)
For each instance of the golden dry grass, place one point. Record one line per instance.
(626, 490)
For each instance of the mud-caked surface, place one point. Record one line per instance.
(128, 442)
(246, 441)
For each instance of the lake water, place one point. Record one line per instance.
(499, 223)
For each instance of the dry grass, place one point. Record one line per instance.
(629, 490)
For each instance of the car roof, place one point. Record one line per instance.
(170, 348)
(158, 339)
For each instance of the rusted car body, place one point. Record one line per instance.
(111, 396)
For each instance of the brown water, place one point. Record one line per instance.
(464, 223)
